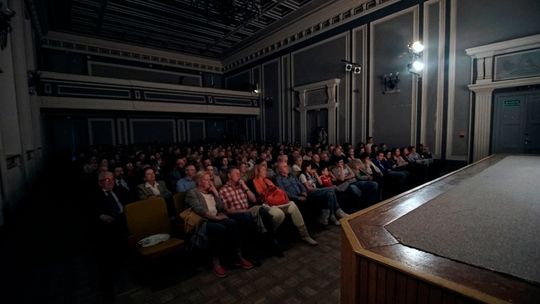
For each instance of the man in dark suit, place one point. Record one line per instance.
(121, 187)
(111, 232)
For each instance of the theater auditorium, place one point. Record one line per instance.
(269, 151)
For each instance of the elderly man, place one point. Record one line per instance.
(298, 192)
(179, 171)
(236, 197)
(187, 183)
(111, 231)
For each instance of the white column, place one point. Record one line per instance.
(332, 106)
(20, 69)
(303, 117)
(482, 122)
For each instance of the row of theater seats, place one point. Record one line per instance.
(150, 217)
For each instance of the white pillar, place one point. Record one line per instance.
(482, 122)
(20, 69)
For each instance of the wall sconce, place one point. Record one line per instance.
(352, 66)
(256, 89)
(390, 82)
(416, 65)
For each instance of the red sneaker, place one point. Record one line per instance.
(219, 271)
(244, 264)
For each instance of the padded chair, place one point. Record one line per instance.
(178, 199)
(149, 217)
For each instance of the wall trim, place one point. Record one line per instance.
(91, 63)
(356, 99)
(93, 46)
(320, 21)
(52, 102)
(452, 85)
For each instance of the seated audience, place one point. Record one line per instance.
(261, 183)
(152, 188)
(187, 183)
(110, 231)
(330, 206)
(179, 171)
(219, 229)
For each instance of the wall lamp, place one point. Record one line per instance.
(352, 67)
(416, 65)
(390, 82)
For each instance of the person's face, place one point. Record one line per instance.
(180, 163)
(325, 172)
(210, 169)
(316, 158)
(190, 171)
(149, 176)
(129, 166)
(351, 151)
(107, 182)
(234, 176)
(388, 155)
(308, 169)
(225, 161)
(243, 168)
(262, 171)
(207, 162)
(398, 152)
(298, 161)
(380, 156)
(204, 182)
(118, 172)
(283, 168)
(325, 157)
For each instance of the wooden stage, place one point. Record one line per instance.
(376, 268)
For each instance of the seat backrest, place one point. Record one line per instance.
(178, 199)
(147, 217)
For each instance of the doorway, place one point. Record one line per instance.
(516, 123)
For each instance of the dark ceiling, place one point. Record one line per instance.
(210, 28)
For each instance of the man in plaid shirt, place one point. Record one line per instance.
(236, 196)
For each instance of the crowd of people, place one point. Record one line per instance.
(248, 190)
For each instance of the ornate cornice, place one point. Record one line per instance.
(93, 46)
(308, 28)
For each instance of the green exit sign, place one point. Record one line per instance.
(512, 103)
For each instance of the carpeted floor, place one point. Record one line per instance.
(492, 220)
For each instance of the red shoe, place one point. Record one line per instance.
(219, 271)
(244, 264)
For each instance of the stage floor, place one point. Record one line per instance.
(491, 220)
(377, 267)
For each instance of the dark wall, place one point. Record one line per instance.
(65, 131)
(392, 112)
(271, 96)
(78, 63)
(431, 38)
(323, 62)
(240, 82)
(478, 23)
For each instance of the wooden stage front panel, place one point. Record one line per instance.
(376, 268)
